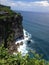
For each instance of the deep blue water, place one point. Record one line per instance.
(37, 24)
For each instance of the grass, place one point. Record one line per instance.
(6, 9)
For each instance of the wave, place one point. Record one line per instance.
(23, 48)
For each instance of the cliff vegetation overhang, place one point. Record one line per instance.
(6, 12)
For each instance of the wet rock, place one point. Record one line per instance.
(21, 43)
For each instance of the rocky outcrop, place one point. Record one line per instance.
(11, 28)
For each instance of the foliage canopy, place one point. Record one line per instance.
(8, 59)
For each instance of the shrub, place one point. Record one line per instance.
(8, 59)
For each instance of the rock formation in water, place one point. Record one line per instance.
(11, 27)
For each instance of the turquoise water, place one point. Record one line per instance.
(37, 24)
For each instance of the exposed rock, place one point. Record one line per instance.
(11, 28)
(21, 43)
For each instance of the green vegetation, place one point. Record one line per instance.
(7, 12)
(8, 59)
(6, 9)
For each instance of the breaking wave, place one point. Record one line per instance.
(23, 48)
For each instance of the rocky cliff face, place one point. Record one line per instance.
(11, 27)
(14, 24)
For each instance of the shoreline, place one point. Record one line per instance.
(22, 43)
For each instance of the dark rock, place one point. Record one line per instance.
(29, 41)
(21, 43)
(10, 29)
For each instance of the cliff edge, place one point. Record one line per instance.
(11, 28)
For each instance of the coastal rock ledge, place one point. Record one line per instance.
(11, 28)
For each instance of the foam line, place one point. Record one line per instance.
(23, 48)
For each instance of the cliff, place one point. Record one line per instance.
(11, 27)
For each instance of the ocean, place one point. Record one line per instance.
(37, 24)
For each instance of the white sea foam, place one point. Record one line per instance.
(23, 48)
